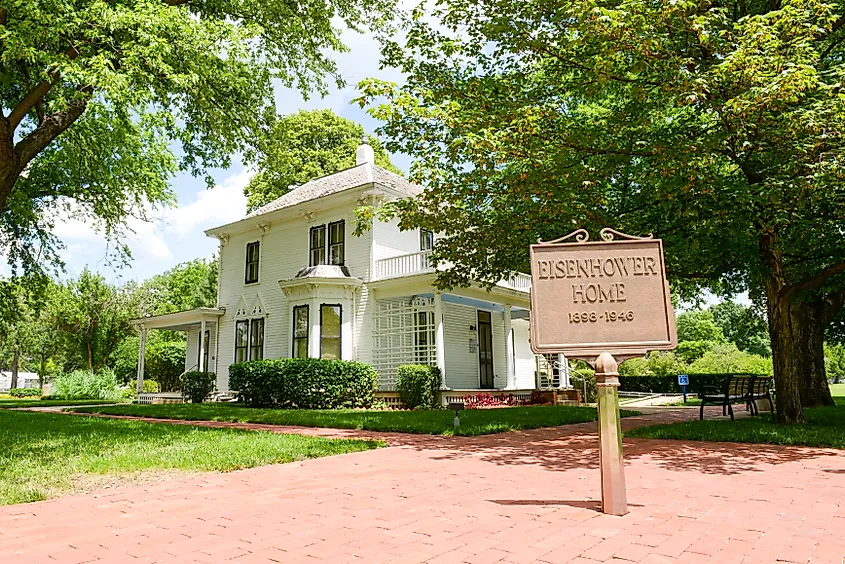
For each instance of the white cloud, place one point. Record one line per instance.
(222, 204)
(171, 236)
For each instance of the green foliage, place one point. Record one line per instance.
(584, 379)
(729, 359)
(151, 386)
(717, 128)
(690, 351)
(300, 147)
(25, 392)
(429, 421)
(834, 356)
(84, 384)
(743, 326)
(304, 383)
(188, 285)
(418, 385)
(46, 455)
(164, 360)
(668, 383)
(105, 101)
(655, 363)
(699, 325)
(197, 385)
(92, 318)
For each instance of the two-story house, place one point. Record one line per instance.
(295, 282)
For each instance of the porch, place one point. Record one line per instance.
(201, 326)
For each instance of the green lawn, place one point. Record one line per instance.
(837, 390)
(44, 455)
(473, 422)
(824, 428)
(29, 402)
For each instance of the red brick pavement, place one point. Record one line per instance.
(513, 498)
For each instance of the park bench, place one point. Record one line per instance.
(738, 389)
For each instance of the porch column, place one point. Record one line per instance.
(142, 349)
(439, 338)
(510, 369)
(200, 363)
(563, 372)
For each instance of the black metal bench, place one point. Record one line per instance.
(738, 389)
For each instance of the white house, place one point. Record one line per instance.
(295, 282)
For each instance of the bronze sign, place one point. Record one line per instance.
(588, 297)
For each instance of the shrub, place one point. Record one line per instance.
(197, 385)
(84, 384)
(418, 385)
(584, 379)
(669, 384)
(305, 383)
(150, 386)
(25, 392)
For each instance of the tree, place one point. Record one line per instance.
(743, 327)
(699, 325)
(718, 128)
(92, 318)
(300, 147)
(188, 285)
(96, 97)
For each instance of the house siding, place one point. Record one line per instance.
(284, 251)
(390, 241)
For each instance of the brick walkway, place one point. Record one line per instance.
(514, 498)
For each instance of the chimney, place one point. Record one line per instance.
(364, 154)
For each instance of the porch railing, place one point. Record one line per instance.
(404, 265)
(419, 263)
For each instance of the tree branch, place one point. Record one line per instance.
(52, 126)
(832, 306)
(37, 94)
(813, 281)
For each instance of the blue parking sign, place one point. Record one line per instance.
(683, 379)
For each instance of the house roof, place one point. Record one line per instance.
(353, 177)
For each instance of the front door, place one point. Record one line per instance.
(485, 349)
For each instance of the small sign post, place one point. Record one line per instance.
(603, 302)
(683, 382)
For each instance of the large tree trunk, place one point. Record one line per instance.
(809, 352)
(784, 331)
(15, 363)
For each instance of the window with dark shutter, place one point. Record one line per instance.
(300, 331)
(330, 324)
(256, 339)
(253, 251)
(318, 246)
(337, 235)
(241, 341)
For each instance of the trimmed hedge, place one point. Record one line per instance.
(305, 383)
(418, 385)
(25, 392)
(197, 385)
(669, 384)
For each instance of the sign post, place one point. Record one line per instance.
(603, 302)
(683, 382)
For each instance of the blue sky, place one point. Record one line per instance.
(177, 233)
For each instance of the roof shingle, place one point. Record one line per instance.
(338, 182)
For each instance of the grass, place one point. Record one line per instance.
(823, 428)
(6, 403)
(45, 455)
(436, 422)
(837, 390)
